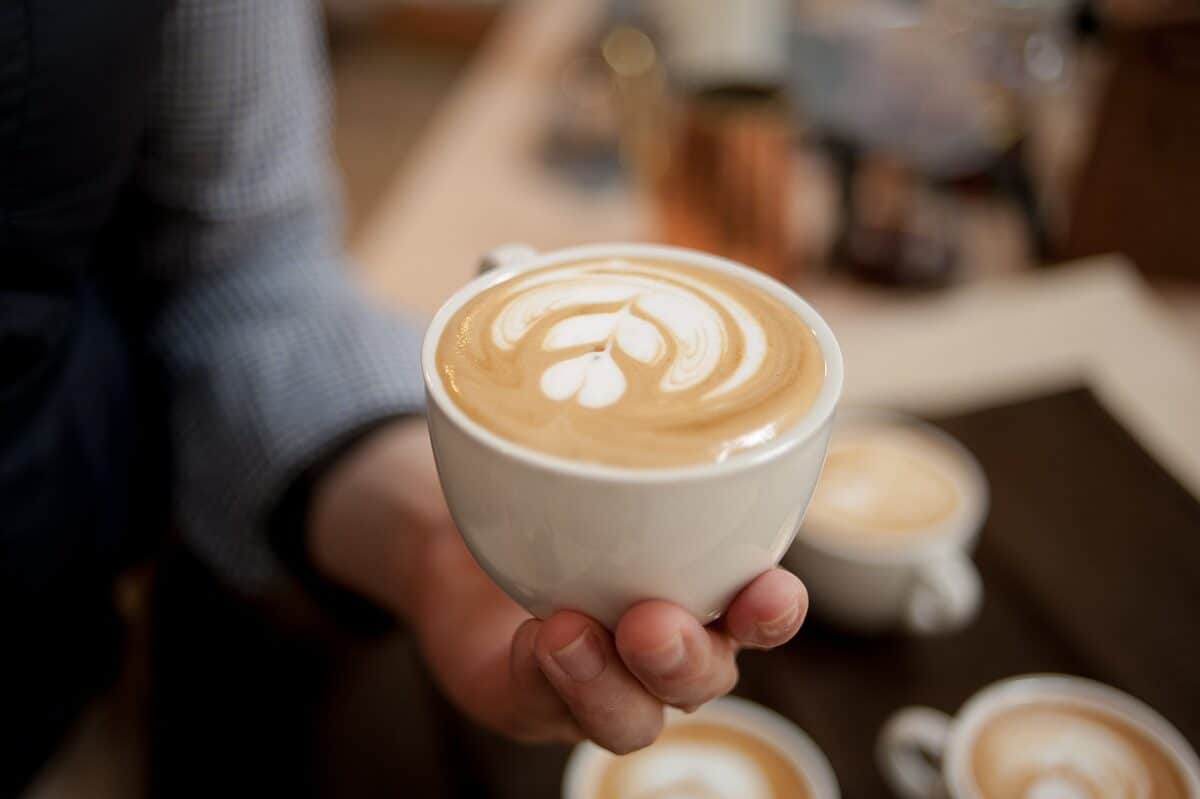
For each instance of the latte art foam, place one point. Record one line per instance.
(1063, 751)
(887, 484)
(630, 363)
(697, 760)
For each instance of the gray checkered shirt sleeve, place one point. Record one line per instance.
(271, 352)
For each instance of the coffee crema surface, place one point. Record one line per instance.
(1061, 749)
(886, 484)
(703, 760)
(631, 362)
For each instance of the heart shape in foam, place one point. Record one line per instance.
(595, 379)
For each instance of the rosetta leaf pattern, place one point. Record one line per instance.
(594, 379)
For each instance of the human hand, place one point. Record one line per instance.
(380, 526)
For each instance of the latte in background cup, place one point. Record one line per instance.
(1039, 737)
(620, 422)
(729, 749)
(888, 534)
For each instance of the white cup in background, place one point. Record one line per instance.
(924, 584)
(588, 761)
(557, 533)
(927, 754)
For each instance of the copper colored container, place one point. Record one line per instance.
(725, 186)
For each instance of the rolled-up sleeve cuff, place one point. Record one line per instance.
(271, 409)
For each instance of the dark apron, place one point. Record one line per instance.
(73, 79)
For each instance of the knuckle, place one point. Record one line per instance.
(632, 739)
(684, 682)
(718, 686)
(690, 681)
(694, 695)
(726, 676)
(622, 728)
(706, 688)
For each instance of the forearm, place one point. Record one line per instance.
(376, 519)
(379, 527)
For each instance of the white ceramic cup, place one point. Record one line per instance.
(559, 534)
(925, 753)
(929, 586)
(588, 761)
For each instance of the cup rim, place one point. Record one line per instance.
(1078, 690)
(802, 431)
(961, 534)
(750, 717)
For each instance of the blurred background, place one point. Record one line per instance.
(910, 144)
(995, 203)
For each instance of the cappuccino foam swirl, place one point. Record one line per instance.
(695, 771)
(630, 363)
(1069, 752)
(887, 484)
(697, 760)
(687, 310)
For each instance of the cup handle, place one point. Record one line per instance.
(505, 255)
(944, 596)
(910, 750)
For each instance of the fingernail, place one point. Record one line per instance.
(581, 659)
(780, 625)
(666, 659)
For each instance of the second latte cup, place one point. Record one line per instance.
(922, 584)
(927, 754)
(558, 533)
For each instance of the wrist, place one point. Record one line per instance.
(289, 533)
(376, 514)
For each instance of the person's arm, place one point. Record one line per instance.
(273, 356)
(276, 362)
